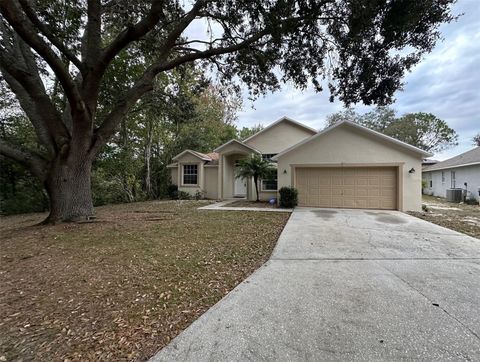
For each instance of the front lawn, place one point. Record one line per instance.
(123, 286)
(458, 217)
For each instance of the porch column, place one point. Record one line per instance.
(220, 176)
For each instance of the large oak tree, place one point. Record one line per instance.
(362, 48)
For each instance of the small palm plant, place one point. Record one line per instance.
(255, 167)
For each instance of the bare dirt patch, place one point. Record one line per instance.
(459, 217)
(122, 287)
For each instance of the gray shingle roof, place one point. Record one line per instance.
(467, 158)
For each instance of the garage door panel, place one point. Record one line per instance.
(348, 187)
(374, 192)
(337, 192)
(337, 180)
(361, 181)
(348, 191)
(325, 202)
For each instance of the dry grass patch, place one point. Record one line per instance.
(122, 287)
(459, 217)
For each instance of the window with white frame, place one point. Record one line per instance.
(452, 179)
(443, 177)
(190, 174)
(269, 183)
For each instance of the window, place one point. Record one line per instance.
(270, 182)
(190, 174)
(443, 177)
(452, 179)
(431, 183)
(268, 156)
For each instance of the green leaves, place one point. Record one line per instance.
(423, 130)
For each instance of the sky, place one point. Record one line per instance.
(446, 83)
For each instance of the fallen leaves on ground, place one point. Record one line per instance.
(122, 287)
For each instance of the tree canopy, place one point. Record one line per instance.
(423, 130)
(78, 68)
(476, 139)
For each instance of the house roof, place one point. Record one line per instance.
(468, 158)
(200, 155)
(235, 141)
(357, 126)
(283, 119)
(428, 161)
(211, 158)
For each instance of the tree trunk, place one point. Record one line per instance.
(148, 156)
(68, 185)
(255, 180)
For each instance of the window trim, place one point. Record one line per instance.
(263, 189)
(443, 177)
(453, 180)
(183, 174)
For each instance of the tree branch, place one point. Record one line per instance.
(21, 73)
(132, 33)
(29, 159)
(92, 50)
(23, 27)
(32, 16)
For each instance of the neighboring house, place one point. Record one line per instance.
(345, 165)
(462, 171)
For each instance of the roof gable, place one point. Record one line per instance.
(237, 142)
(284, 119)
(468, 158)
(200, 155)
(357, 127)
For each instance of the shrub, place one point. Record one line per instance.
(182, 195)
(471, 201)
(172, 191)
(199, 195)
(288, 197)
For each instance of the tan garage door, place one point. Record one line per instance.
(347, 187)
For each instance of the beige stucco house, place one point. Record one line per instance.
(345, 166)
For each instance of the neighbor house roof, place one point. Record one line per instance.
(283, 119)
(359, 127)
(468, 158)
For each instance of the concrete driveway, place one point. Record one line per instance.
(348, 285)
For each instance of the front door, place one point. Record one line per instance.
(240, 187)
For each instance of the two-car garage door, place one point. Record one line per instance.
(347, 187)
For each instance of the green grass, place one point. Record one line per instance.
(123, 286)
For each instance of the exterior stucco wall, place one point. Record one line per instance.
(189, 159)
(278, 138)
(263, 195)
(468, 174)
(174, 175)
(345, 145)
(211, 182)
